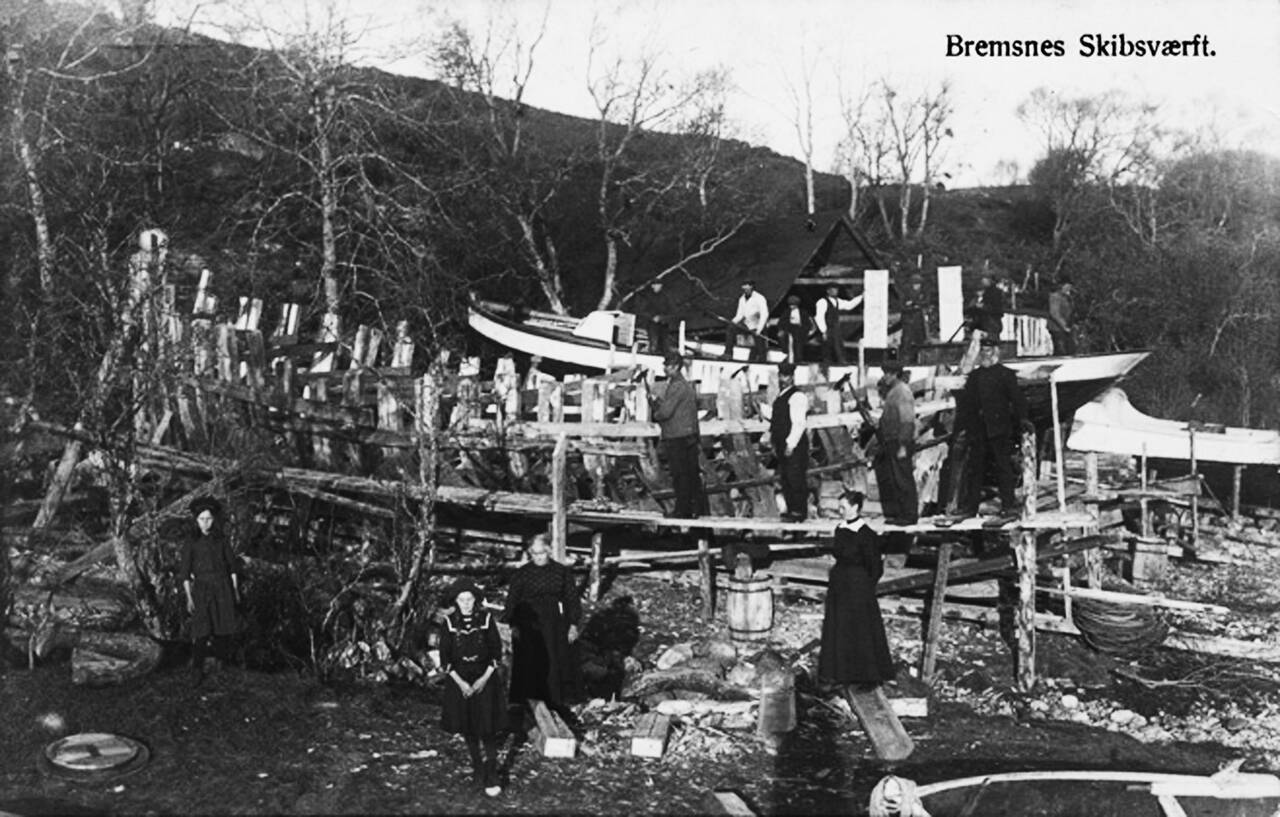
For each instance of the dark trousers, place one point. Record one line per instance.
(833, 344)
(1063, 342)
(793, 344)
(658, 341)
(686, 476)
(998, 452)
(793, 471)
(896, 479)
(758, 343)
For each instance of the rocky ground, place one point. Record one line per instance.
(251, 743)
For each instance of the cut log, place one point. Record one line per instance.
(551, 735)
(884, 730)
(649, 738)
(94, 606)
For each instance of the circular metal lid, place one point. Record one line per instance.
(93, 755)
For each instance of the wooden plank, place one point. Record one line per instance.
(1024, 551)
(559, 500)
(552, 737)
(727, 803)
(934, 628)
(883, 729)
(706, 571)
(649, 738)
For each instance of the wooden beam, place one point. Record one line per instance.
(1025, 555)
(930, 659)
(559, 499)
(707, 573)
(552, 737)
(649, 737)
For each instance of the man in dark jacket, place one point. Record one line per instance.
(675, 410)
(787, 426)
(894, 463)
(991, 412)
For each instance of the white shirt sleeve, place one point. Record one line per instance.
(849, 304)
(820, 315)
(799, 405)
(757, 312)
(742, 310)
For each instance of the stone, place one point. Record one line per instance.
(722, 652)
(742, 675)
(675, 656)
(675, 708)
(1069, 701)
(1122, 716)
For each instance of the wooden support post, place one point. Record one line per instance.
(320, 446)
(1195, 496)
(1057, 443)
(1236, 473)
(930, 658)
(402, 351)
(707, 571)
(559, 499)
(1025, 558)
(255, 360)
(597, 566)
(228, 354)
(1142, 502)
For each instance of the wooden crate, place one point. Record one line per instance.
(649, 738)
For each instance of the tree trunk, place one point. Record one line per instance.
(924, 208)
(328, 202)
(904, 203)
(610, 270)
(31, 176)
(548, 277)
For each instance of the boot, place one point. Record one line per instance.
(492, 783)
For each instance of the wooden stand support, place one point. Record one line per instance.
(597, 565)
(1024, 548)
(559, 500)
(930, 658)
(649, 738)
(552, 737)
(707, 571)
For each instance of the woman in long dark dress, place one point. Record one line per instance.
(474, 707)
(543, 610)
(211, 581)
(855, 649)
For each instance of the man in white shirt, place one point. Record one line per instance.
(787, 427)
(826, 314)
(752, 314)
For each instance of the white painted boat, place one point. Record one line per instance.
(1110, 424)
(591, 343)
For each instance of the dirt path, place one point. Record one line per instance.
(257, 743)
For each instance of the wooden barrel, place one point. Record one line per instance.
(749, 608)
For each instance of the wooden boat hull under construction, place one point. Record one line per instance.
(1111, 424)
(1079, 378)
(1103, 794)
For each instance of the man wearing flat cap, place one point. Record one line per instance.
(794, 327)
(991, 411)
(675, 410)
(895, 462)
(790, 443)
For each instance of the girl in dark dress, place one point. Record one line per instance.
(543, 609)
(854, 647)
(470, 652)
(207, 567)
